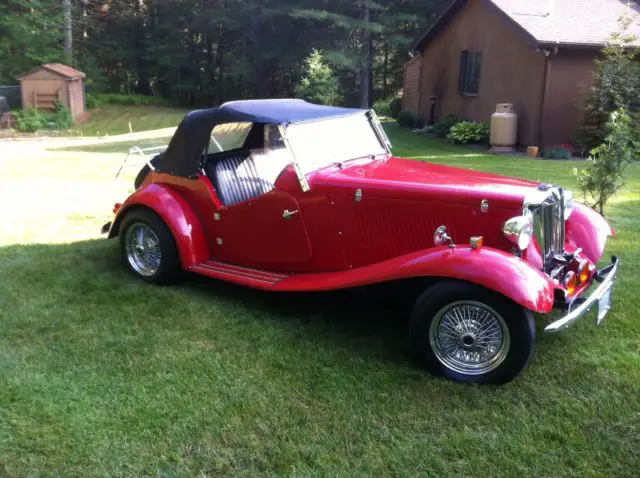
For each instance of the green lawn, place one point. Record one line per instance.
(103, 375)
(114, 119)
(121, 147)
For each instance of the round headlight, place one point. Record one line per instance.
(568, 204)
(519, 230)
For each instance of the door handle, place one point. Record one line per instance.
(286, 214)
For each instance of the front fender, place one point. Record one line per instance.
(588, 230)
(494, 269)
(176, 213)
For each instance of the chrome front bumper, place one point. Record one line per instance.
(583, 306)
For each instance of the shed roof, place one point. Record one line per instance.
(577, 23)
(57, 68)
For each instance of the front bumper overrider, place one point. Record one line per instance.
(583, 305)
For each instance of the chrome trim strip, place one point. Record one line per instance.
(200, 268)
(588, 304)
(243, 272)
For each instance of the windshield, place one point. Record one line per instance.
(318, 144)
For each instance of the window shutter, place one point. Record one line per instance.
(462, 75)
(473, 85)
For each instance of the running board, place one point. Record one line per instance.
(239, 275)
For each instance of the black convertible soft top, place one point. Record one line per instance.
(184, 152)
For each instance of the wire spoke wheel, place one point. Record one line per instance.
(143, 249)
(469, 337)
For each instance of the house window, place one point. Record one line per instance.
(469, 76)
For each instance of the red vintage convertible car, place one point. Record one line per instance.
(285, 195)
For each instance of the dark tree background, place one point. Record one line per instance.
(203, 52)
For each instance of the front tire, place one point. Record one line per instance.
(470, 334)
(148, 249)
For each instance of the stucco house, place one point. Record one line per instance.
(538, 55)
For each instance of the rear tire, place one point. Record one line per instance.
(470, 334)
(148, 249)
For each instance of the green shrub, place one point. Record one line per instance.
(382, 107)
(443, 126)
(30, 120)
(62, 116)
(607, 165)
(408, 119)
(92, 101)
(395, 106)
(130, 100)
(389, 107)
(466, 132)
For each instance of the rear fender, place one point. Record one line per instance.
(494, 269)
(176, 213)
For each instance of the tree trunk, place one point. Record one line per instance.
(385, 72)
(256, 50)
(143, 85)
(219, 88)
(365, 73)
(220, 66)
(68, 32)
(84, 19)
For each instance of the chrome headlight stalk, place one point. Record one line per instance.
(519, 230)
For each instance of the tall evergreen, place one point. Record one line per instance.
(203, 52)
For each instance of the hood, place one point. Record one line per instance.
(409, 179)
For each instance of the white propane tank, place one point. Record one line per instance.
(504, 128)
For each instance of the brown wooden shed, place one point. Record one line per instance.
(42, 86)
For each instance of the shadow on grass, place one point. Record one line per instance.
(89, 275)
(89, 280)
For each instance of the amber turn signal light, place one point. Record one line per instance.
(583, 271)
(476, 242)
(570, 282)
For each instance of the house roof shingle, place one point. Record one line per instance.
(558, 22)
(572, 22)
(59, 69)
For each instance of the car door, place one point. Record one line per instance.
(266, 231)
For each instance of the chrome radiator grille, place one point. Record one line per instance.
(549, 224)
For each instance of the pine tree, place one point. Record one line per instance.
(319, 84)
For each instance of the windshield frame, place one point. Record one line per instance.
(373, 123)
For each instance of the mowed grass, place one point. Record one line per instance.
(114, 119)
(121, 147)
(103, 375)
